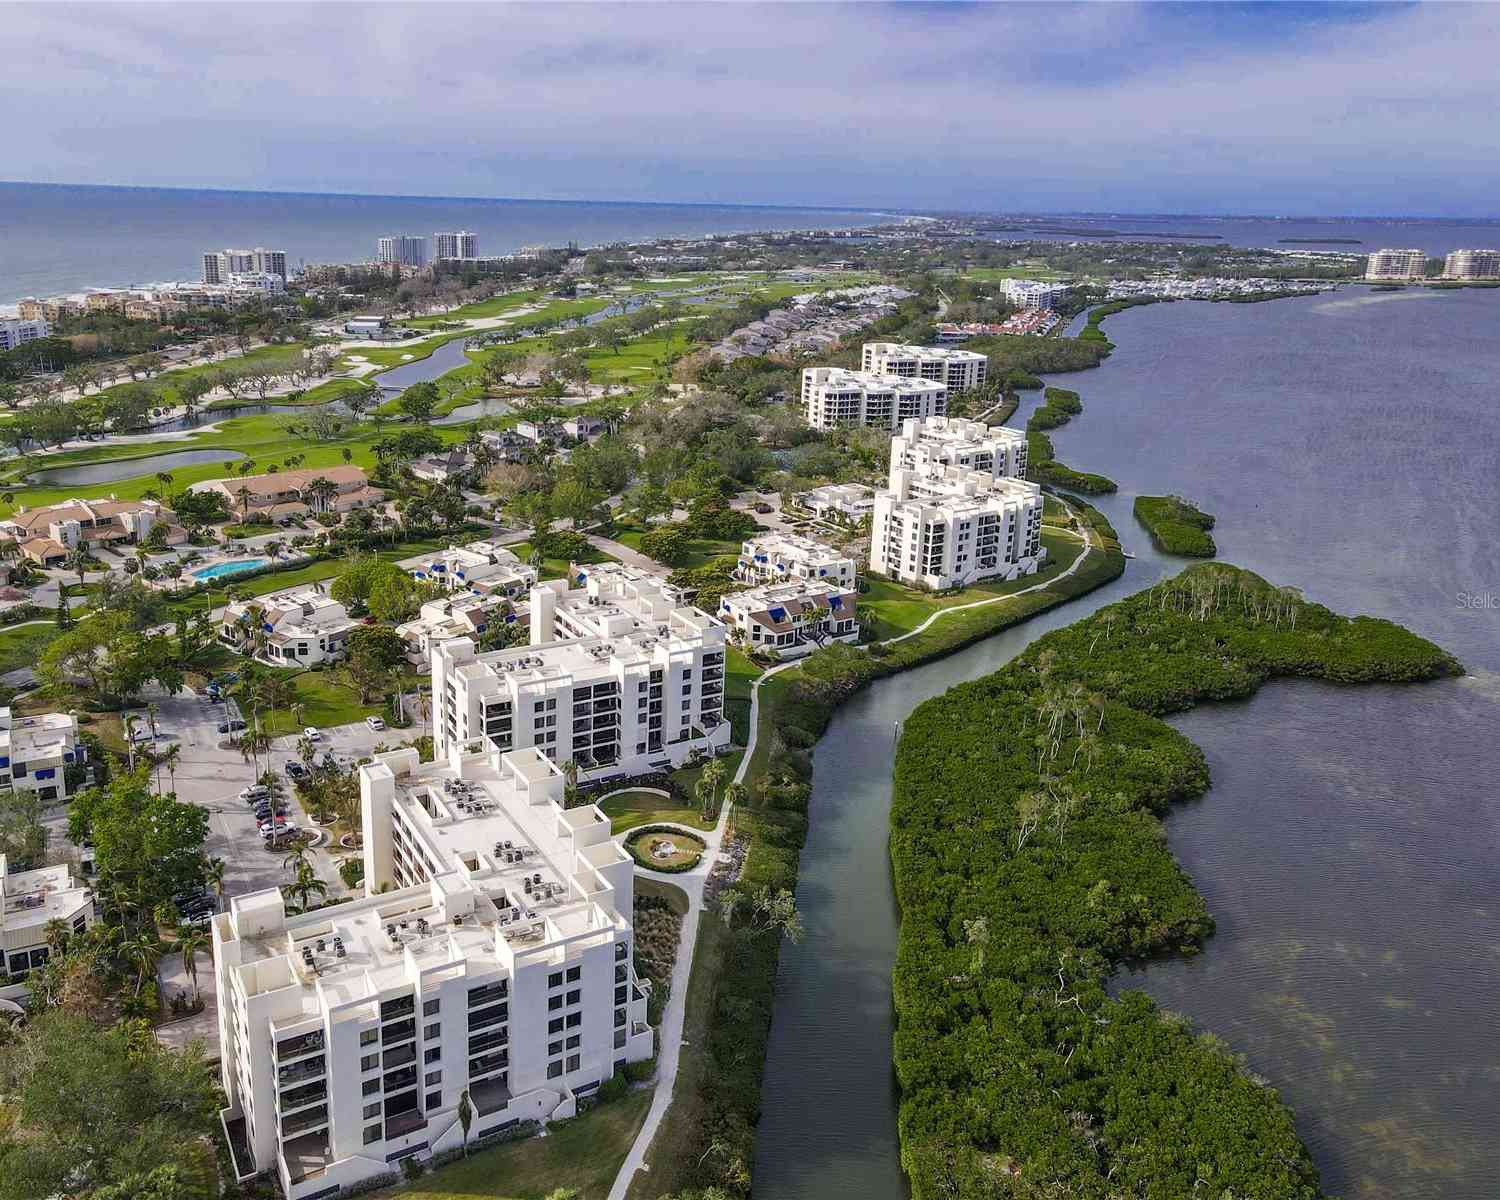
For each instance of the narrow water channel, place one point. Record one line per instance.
(1347, 445)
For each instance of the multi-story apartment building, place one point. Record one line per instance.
(29, 902)
(1033, 293)
(832, 396)
(784, 557)
(788, 620)
(499, 967)
(1396, 264)
(249, 283)
(1472, 264)
(608, 600)
(944, 527)
(485, 567)
(52, 309)
(937, 442)
(459, 244)
(296, 493)
(956, 370)
(18, 332)
(219, 265)
(298, 627)
(402, 250)
(35, 753)
(46, 535)
(624, 702)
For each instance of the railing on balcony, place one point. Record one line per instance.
(311, 1093)
(392, 1034)
(399, 1081)
(484, 1064)
(407, 1122)
(479, 996)
(300, 1072)
(489, 1041)
(303, 1121)
(305, 1044)
(398, 1057)
(485, 1017)
(403, 1007)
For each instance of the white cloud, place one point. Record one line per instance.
(988, 105)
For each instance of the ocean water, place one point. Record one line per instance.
(1348, 846)
(57, 237)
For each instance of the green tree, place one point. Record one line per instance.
(23, 835)
(419, 401)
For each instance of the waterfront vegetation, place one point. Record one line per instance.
(1093, 333)
(1044, 468)
(706, 1139)
(1060, 406)
(1176, 526)
(1029, 861)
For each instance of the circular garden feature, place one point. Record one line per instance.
(665, 848)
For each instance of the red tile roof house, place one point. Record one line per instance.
(296, 493)
(47, 535)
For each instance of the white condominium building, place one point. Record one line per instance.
(1033, 293)
(1472, 264)
(219, 265)
(625, 702)
(957, 370)
(15, 333)
(788, 620)
(402, 250)
(955, 527)
(1396, 264)
(299, 627)
(463, 614)
(939, 442)
(832, 396)
(853, 501)
(35, 753)
(609, 600)
(459, 244)
(485, 567)
(500, 967)
(266, 282)
(780, 557)
(29, 902)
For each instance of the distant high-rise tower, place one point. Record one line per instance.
(407, 251)
(1472, 264)
(461, 244)
(1396, 264)
(219, 265)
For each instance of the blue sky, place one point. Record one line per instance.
(1262, 108)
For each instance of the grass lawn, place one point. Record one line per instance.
(263, 439)
(584, 1154)
(22, 645)
(898, 609)
(630, 809)
(740, 675)
(1033, 269)
(326, 700)
(167, 380)
(679, 850)
(557, 568)
(700, 550)
(687, 777)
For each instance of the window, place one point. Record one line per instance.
(433, 1054)
(575, 1020)
(555, 1047)
(575, 974)
(554, 1003)
(555, 979)
(573, 1062)
(371, 1087)
(555, 1025)
(434, 1101)
(573, 996)
(369, 1062)
(554, 1069)
(433, 1078)
(372, 1132)
(372, 1110)
(430, 1006)
(574, 1041)
(432, 1032)
(367, 1036)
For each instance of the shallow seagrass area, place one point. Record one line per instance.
(1029, 860)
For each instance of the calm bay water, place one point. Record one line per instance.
(1348, 445)
(58, 237)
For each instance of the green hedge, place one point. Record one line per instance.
(1176, 526)
(1029, 861)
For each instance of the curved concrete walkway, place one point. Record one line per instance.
(692, 882)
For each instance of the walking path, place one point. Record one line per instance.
(673, 1017)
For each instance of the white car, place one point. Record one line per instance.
(312, 735)
(375, 723)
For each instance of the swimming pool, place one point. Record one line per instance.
(229, 568)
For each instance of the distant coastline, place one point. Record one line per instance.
(1329, 241)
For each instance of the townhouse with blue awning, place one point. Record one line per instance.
(788, 620)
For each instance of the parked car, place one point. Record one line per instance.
(255, 792)
(375, 723)
(763, 507)
(312, 734)
(232, 725)
(282, 835)
(295, 770)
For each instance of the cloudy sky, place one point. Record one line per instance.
(1281, 108)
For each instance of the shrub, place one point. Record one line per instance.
(668, 544)
(1176, 526)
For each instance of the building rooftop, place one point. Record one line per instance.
(930, 353)
(872, 381)
(32, 898)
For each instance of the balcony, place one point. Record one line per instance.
(491, 991)
(483, 1064)
(398, 1057)
(295, 1047)
(484, 1018)
(312, 1093)
(490, 1096)
(489, 1041)
(392, 1009)
(404, 1032)
(399, 1081)
(304, 1121)
(407, 1122)
(306, 1157)
(301, 1072)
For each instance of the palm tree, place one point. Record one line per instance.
(465, 1117)
(78, 560)
(713, 775)
(168, 759)
(243, 494)
(190, 942)
(143, 952)
(213, 875)
(736, 794)
(306, 751)
(348, 458)
(306, 885)
(570, 784)
(165, 479)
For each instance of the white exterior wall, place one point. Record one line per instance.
(1396, 264)
(17, 333)
(833, 397)
(957, 370)
(1472, 264)
(779, 558)
(939, 442)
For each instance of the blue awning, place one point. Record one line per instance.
(778, 614)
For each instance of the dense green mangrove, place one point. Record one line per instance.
(1030, 859)
(1176, 526)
